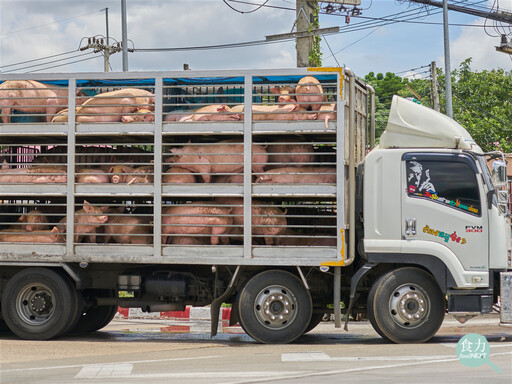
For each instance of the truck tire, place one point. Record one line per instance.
(316, 318)
(274, 307)
(406, 305)
(39, 304)
(95, 318)
(3, 326)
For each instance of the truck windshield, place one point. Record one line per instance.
(486, 174)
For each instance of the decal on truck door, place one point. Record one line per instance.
(448, 183)
(445, 235)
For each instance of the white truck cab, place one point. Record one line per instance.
(429, 201)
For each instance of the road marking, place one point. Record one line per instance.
(88, 365)
(320, 356)
(305, 356)
(303, 375)
(248, 377)
(104, 371)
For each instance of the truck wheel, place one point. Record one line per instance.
(3, 326)
(406, 306)
(95, 318)
(39, 304)
(316, 318)
(274, 307)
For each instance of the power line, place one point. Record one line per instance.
(343, 29)
(244, 12)
(44, 25)
(41, 58)
(61, 65)
(50, 62)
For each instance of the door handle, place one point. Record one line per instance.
(410, 226)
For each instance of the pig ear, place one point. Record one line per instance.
(104, 209)
(87, 206)
(222, 108)
(28, 228)
(21, 218)
(55, 230)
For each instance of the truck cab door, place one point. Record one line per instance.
(444, 214)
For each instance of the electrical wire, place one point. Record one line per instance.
(412, 69)
(41, 58)
(51, 62)
(61, 65)
(243, 12)
(409, 16)
(358, 27)
(54, 22)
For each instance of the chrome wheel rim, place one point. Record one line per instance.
(409, 306)
(35, 304)
(275, 307)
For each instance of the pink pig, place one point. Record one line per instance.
(140, 115)
(299, 175)
(211, 113)
(290, 111)
(35, 174)
(286, 94)
(31, 96)
(176, 175)
(87, 220)
(267, 221)
(310, 94)
(41, 236)
(34, 220)
(128, 229)
(196, 218)
(224, 157)
(89, 175)
(294, 154)
(112, 106)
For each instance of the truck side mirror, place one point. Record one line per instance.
(499, 173)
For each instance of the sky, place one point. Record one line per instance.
(40, 36)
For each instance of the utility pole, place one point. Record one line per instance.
(304, 45)
(97, 43)
(435, 95)
(125, 35)
(106, 52)
(447, 69)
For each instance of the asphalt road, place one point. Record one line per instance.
(172, 351)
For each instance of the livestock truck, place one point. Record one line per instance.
(259, 189)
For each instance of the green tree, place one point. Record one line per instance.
(482, 101)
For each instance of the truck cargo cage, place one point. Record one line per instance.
(130, 159)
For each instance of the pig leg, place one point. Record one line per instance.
(52, 107)
(216, 239)
(91, 238)
(6, 114)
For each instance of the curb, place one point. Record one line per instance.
(190, 313)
